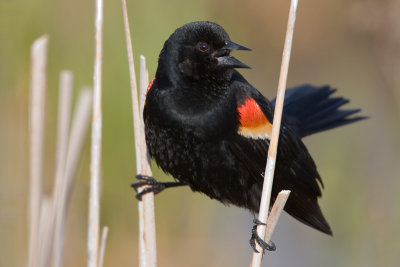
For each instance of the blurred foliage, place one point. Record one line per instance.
(352, 45)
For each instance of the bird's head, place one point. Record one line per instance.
(198, 51)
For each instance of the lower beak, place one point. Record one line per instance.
(230, 62)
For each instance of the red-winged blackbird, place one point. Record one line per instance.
(209, 128)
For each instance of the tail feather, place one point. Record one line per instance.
(311, 109)
(328, 106)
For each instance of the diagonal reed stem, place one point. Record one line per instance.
(272, 151)
(103, 245)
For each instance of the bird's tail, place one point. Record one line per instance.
(311, 109)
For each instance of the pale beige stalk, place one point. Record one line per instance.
(44, 233)
(143, 83)
(36, 126)
(103, 245)
(275, 213)
(79, 128)
(147, 232)
(63, 121)
(95, 159)
(147, 227)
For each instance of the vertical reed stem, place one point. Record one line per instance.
(147, 232)
(64, 115)
(36, 121)
(95, 164)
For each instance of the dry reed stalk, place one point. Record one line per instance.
(147, 227)
(64, 111)
(36, 123)
(79, 128)
(143, 83)
(64, 114)
(95, 160)
(45, 225)
(275, 213)
(147, 236)
(272, 151)
(103, 245)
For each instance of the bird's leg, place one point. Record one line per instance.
(151, 185)
(256, 238)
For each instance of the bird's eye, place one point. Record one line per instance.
(203, 47)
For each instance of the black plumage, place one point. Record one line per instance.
(193, 125)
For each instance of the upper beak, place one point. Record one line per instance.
(231, 62)
(230, 45)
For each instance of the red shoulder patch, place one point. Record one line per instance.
(253, 122)
(150, 85)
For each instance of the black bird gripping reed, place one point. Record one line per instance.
(211, 129)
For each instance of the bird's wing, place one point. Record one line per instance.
(295, 169)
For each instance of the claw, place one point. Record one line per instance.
(256, 238)
(152, 185)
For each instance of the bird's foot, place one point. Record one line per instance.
(256, 238)
(150, 185)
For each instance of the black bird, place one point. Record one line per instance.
(209, 128)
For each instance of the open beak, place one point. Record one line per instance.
(228, 61)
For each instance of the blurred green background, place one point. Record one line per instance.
(353, 45)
